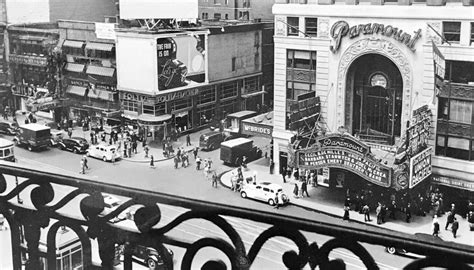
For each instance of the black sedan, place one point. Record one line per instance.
(74, 144)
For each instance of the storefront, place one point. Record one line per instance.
(379, 80)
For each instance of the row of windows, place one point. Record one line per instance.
(245, 3)
(303, 63)
(89, 53)
(459, 148)
(452, 32)
(217, 16)
(310, 26)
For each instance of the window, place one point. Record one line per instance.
(228, 90)
(234, 63)
(130, 105)
(301, 59)
(472, 33)
(227, 16)
(250, 85)
(206, 95)
(293, 26)
(246, 4)
(217, 16)
(206, 114)
(452, 31)
(295, 89)
(311, 26)
(461, 72)
(460, 111)
(181, 104)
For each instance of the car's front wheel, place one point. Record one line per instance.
(104, 158)
(88, 154)
(75, 151)
(243, 194)
(30, 148)
(271, 202)
(151, 263)
(391, 250)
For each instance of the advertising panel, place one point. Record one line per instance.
(339, 151)
(257, 129)
(420, 167)
(105, 30)
(419, 131)
(161, 9)
(181, 61)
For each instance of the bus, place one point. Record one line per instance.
(6, 150)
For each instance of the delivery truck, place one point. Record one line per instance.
(33, 136)
(233, 151)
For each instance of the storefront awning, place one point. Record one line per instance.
(76, 90)
(74, 67)
(148, 119)
(99, 46)
(73, 43)
(101, 71)
(101, 94)
(253, 94)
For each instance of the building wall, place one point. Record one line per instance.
(27, 11)
(3, 11)
(79, 30)
(262, 9)
(244, 47)
(217, 6)
(84, 10)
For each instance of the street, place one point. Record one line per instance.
(190, 183)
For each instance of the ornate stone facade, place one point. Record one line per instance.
(323, 27)
(377, 46)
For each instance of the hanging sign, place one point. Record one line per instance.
(420, 167)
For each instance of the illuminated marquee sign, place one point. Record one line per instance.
(420, 167)
(340, 151)
(341, 29)
(161, 98)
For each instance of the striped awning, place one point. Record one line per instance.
(74, 67)
(73, 43)
(101, 94)
(76, 90)
(101, 71)
(99, 46)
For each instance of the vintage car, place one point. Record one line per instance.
(57, 136)
(104, 152)
(9, 128)
(77, 145)
(264, 191)
(160, 258)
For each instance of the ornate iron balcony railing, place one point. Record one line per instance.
(150, 232)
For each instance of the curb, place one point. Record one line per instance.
(146, 160)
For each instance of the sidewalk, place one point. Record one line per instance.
(155, 148)
(331, 202)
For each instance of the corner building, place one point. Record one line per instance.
(372, 66)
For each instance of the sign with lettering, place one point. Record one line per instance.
(105, 30)
(345, 152)
(342, 29)
(80, 83)
(420, 167)
(160, 98)
(452, 182)
(419, 132)
(439, 62)
(257, 129)
(29, 60)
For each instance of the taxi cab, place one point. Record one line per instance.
(264, 191)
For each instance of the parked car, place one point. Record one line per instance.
(264, 191)
(57, 136)
(211, 140)
(74, 144)
(154, 259)
(103, 152)
(9, 128)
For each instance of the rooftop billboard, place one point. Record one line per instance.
(158, 9)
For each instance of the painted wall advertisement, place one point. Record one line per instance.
(420, 167)
(181, 61)
(345, 152)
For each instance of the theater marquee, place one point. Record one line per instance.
(345, 152)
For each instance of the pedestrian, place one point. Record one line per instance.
(146, 150)
(113, 156)
(134, 146)
(183, 160)
(455, 227)
(283, 174)
(408, 213)
(85, 162)
(130, 152)
(214, 179)
(449, 219)
(69, 132)
(304, 188)
(188, 140)
(195, 152)
(435, 226)
(366, 211)
(176, 162)
(152, 161)
(383, 213)
(295, 190)
(393, 208)
(178, 154)
(378, 212)
(198, 163)
(346, 213)
(102, 136)
(83, 168)
(277, 202)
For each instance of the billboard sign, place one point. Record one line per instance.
(257, 129)
(159, 9)
(420, 167)
(105, 30)
(419, 131)
(181, 61)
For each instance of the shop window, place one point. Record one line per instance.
(206, 114)
(100, 54)
(228, 106)
(460, 111)
(228, 90)
(301, 59)
(250, 85)
(452, 31)
(472, 33)
(293, 24)
(130, 105)
(311, 27)
(73, 51)
(181, 104)
(206, 95)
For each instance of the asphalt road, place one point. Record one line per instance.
(190, 183)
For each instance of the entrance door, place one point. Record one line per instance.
(377, 111)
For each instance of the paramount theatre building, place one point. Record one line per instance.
(376, 94)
